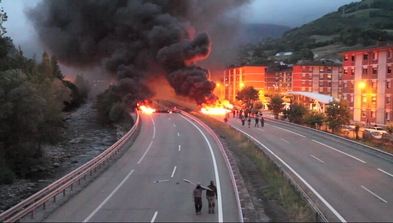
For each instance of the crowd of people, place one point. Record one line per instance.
(247, 115)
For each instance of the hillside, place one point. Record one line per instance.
(359, 23)
(254, 33)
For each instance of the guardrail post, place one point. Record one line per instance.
(54, 199)
(64, 192)
(72, 186)
(32, 214)
(79, 181)
(44, 205)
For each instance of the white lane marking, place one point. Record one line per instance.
(152, 120)
(218, 184)
(317, 159)
(301, 178)
(147, 150)
(374, 194)
(383, 171)
(154, 132)
(154, 217)
(109, 197)
(261, 130)
(174, 125)
(284, 140)
(179, 147)
(339, 151)
(173, 172)
(169, 118)
(178, 134)
(289, 131)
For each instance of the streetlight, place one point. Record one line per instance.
(241, 85)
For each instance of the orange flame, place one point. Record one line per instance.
(147, 110)
(219, 109)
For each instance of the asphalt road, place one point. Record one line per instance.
(347, 184)
(146, 183)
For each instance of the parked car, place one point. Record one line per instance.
(372, 134)
(386, 137)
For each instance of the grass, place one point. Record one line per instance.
(278, 187)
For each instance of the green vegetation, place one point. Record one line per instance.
(247, 96)
(33, 98)
(277, 187)
(359, 23)
(276, 105)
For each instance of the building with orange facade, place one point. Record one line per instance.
(322, 77)
(278, 79)
(235, 78)
(367, 83)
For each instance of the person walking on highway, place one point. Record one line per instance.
(197, 196)
(262, 121)
(256, 121)
(211, 196)
(243, 120)
(249, 122)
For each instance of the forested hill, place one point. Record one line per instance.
(254, 33)
(359, 23)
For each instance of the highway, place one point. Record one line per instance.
(347, 184)
(146, 183)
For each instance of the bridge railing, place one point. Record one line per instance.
(40, 198)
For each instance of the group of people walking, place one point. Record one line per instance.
(258, 118)
(211, 196)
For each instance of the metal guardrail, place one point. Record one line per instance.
(41, 197)
(234, 185)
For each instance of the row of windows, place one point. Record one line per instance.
(374, 56)
(321, 69)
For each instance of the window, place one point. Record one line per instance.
(365, 56)
(363, 114)
(375, 56)
(303, 82)
(389, 69)
(310, 76)
(340, 76)
(329, 76)
(353, 58)
(303, 75)
(364, 99)
(388, 84)
(388, 100)
(364, 70)
(372, 114)
(345, 85)
(329, 84)
(329, 69)
(321, 69)
(374, 85)
(389, 54)
(375, 70)
(353, 71)
(321, 76)
(387, 116)
(303, 69)
(237, 71)
(346, 58)
(340, 70)
(309, 83)
(303, 89)
(374, 99)
(345, 71)
(310, 69)
(321, 84)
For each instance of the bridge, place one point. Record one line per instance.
(316, 102)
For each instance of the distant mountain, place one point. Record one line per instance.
(356, 24)
(254, 33)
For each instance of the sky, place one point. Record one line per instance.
(292, 13)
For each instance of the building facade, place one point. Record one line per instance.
(367, 83)
(278, 79)
(235, 78)
(320, 77)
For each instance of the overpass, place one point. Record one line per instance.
(315, 101)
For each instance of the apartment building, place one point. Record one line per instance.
(235, 78)
(322, 77)
(367, 83)
(278, 79)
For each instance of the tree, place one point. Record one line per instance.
(247, 95)
(389, 127)
(313, 119)
(3, 18)
(338, 114)
(56, 72)
(276, 105)
(296, 113)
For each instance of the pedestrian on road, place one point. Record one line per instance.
(211, 196)
(249, 122)
(262, 121)
(256, 121)
(243, 120)
(197, 196)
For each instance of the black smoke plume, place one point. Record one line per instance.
(136, 40)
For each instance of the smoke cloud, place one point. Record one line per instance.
(138, 41)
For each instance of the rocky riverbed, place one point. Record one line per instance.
(85, 139)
